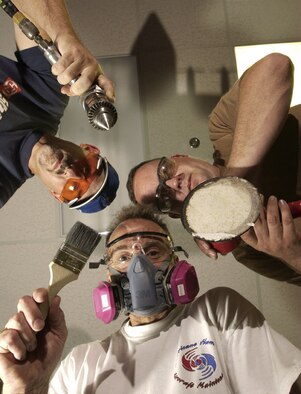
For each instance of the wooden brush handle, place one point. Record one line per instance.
(59, 277)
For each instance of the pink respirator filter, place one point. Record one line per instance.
(184, 283)
(104, 304)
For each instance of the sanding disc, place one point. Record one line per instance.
(221, 208)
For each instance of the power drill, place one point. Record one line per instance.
(101, 113)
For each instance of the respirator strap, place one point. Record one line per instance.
(180, 249)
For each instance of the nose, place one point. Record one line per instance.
(137, 248)
(177, 182)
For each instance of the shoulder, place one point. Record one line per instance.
(8, 185)
(226, 309)
(82, 349)
(90, 353)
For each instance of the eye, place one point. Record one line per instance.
(153, 253)
(169, 169)
(122, 257)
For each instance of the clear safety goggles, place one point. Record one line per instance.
(158, 247)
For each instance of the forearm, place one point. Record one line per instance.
(50, 16)
(77, 62)
(294, 263)
(264, 100)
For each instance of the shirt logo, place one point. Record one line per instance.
(203, 363)
(197, 366)
(9, 88)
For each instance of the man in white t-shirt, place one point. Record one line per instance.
(173, 341)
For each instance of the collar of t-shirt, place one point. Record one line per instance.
(144, 332)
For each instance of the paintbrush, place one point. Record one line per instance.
(70, 259)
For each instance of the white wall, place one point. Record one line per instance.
(185, 53)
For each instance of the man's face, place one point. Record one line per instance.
(157, 248)
(55, 161)
(188, 173)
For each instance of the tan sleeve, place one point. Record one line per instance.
(222, 121)
(265, 265)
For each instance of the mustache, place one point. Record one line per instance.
(66, 163)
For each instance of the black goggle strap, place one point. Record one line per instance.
(140, 233)
(114, 272)
(104, 259)
(176, 249)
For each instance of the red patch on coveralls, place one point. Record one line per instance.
(9, 88)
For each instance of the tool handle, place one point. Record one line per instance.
(295, 207)
(225, 247)
(8, 7)
(44, 308)
(59, 277)
(53, 55)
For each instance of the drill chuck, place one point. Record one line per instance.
(101, 113)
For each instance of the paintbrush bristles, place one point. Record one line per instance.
(83, 237)
(80, 243)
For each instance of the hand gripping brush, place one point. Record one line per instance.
(70, 259)
(68, 262)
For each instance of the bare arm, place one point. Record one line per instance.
(50, 16)
(26, 360)
(53, 21)
(248, 119)
(264, 100)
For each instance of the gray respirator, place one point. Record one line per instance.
(145, 290)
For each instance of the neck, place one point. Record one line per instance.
(138, 320)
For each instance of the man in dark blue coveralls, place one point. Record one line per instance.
(33, 97)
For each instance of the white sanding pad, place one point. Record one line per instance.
(221, 208)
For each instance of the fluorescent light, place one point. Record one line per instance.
(248, 55)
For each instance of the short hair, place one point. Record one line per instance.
(135, 212)
(130, 180)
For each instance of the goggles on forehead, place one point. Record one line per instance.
(75, 188)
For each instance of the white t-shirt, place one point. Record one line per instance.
(220, 343)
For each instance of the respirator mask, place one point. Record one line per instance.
(146, 277)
